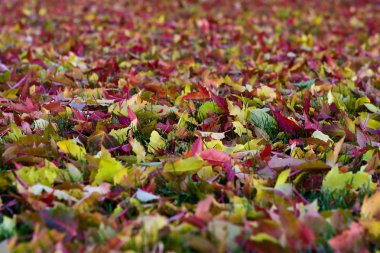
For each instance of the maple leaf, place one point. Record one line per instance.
(286, 125)
(26, 107)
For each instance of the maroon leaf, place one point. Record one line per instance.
(286, 125)
(221, 102)
(266, 152)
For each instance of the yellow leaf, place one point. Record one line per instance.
(121, 176)
(206, 172)
(373, 228)
(191, 164)
(121, 135)
(266, 91)
(281, 179)
(108, 168)
(371, 123)
(15, 133)
(217, 144)
(138, 149)
(240, 113)
(263, 237)
(297, 153)
(239, 128)
(311, 165)
(252, 144)
(11, 94)
(70, 147)
(40, 124)
(156, 142)
(151, 225)
(335, 180)
(34, 175)
(188, 88)
(93, 78)
(293, 101)
(350, 124)
(361, 101)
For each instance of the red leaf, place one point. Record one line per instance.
(266, 152)
(195, 96)
(310, 125)
(79, 116)
(215, 157)
(349, 240)
(54, 107)
(38, 62)
(221, 102)
(48, 199)
(306, 102)
(194, 220)
(20, 82)
(287, 125)
(202, 94)
(28, 107)
(197, 147)
(132, 116)
(203, 209)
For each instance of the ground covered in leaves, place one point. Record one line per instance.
(189, 126)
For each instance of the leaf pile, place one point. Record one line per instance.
(189, 126)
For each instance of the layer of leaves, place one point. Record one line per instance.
(189, 126)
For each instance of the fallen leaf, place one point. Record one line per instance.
(71, 147)
(144, 196)
(214, 156)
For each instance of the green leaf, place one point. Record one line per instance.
(335, 180)
(372, 108)
(34, 175)
(108, 168)
(121, 135)
(264, 237)
(72, 174)
(15, 133)
(208, 107)
(281, 179)
(40, 124)
(261, 118)
(7, 227)
(305, 84)
(5, 77)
